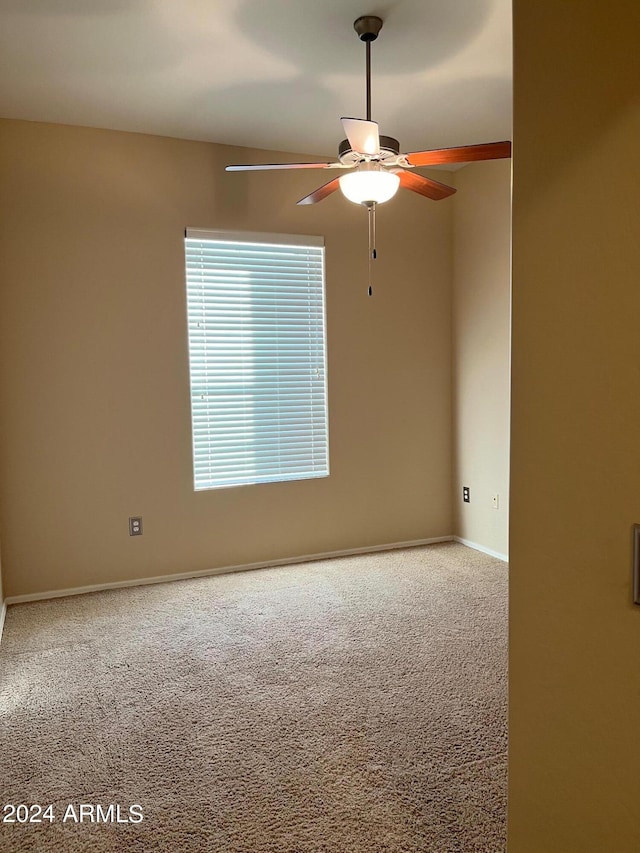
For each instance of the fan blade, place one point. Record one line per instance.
(461, 154)
(424, 186)
(261, 166)
(362, 135)
(321, 192)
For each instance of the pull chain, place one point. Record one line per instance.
(371, 209)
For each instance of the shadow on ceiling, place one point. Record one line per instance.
(417, 34)
(79, 8)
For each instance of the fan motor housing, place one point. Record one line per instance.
(389, 149)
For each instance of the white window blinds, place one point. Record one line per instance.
(257, 358)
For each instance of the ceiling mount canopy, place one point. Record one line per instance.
(368, 27)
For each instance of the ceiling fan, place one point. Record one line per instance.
(374, 167)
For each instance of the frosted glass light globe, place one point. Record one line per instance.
(366, 185)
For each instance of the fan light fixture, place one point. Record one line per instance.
(369, 184)
(374, 165)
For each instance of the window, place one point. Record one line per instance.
(255, 305)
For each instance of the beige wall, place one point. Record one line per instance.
(481, 341)
(575, 467)
(94, 388)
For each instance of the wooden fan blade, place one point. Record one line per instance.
(321, 192)
(424, 186)
(262, 166)
(462, 154)
(363, 135)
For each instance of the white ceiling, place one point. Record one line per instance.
(272, 74)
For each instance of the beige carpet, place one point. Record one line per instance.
(355, 704)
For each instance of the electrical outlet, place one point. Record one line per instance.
(465, 494)
(135, 525)
(495, 501)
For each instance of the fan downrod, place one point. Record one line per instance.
(368, 27)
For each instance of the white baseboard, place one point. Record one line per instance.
(3, 613)
(476, 547)
(247, 567)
